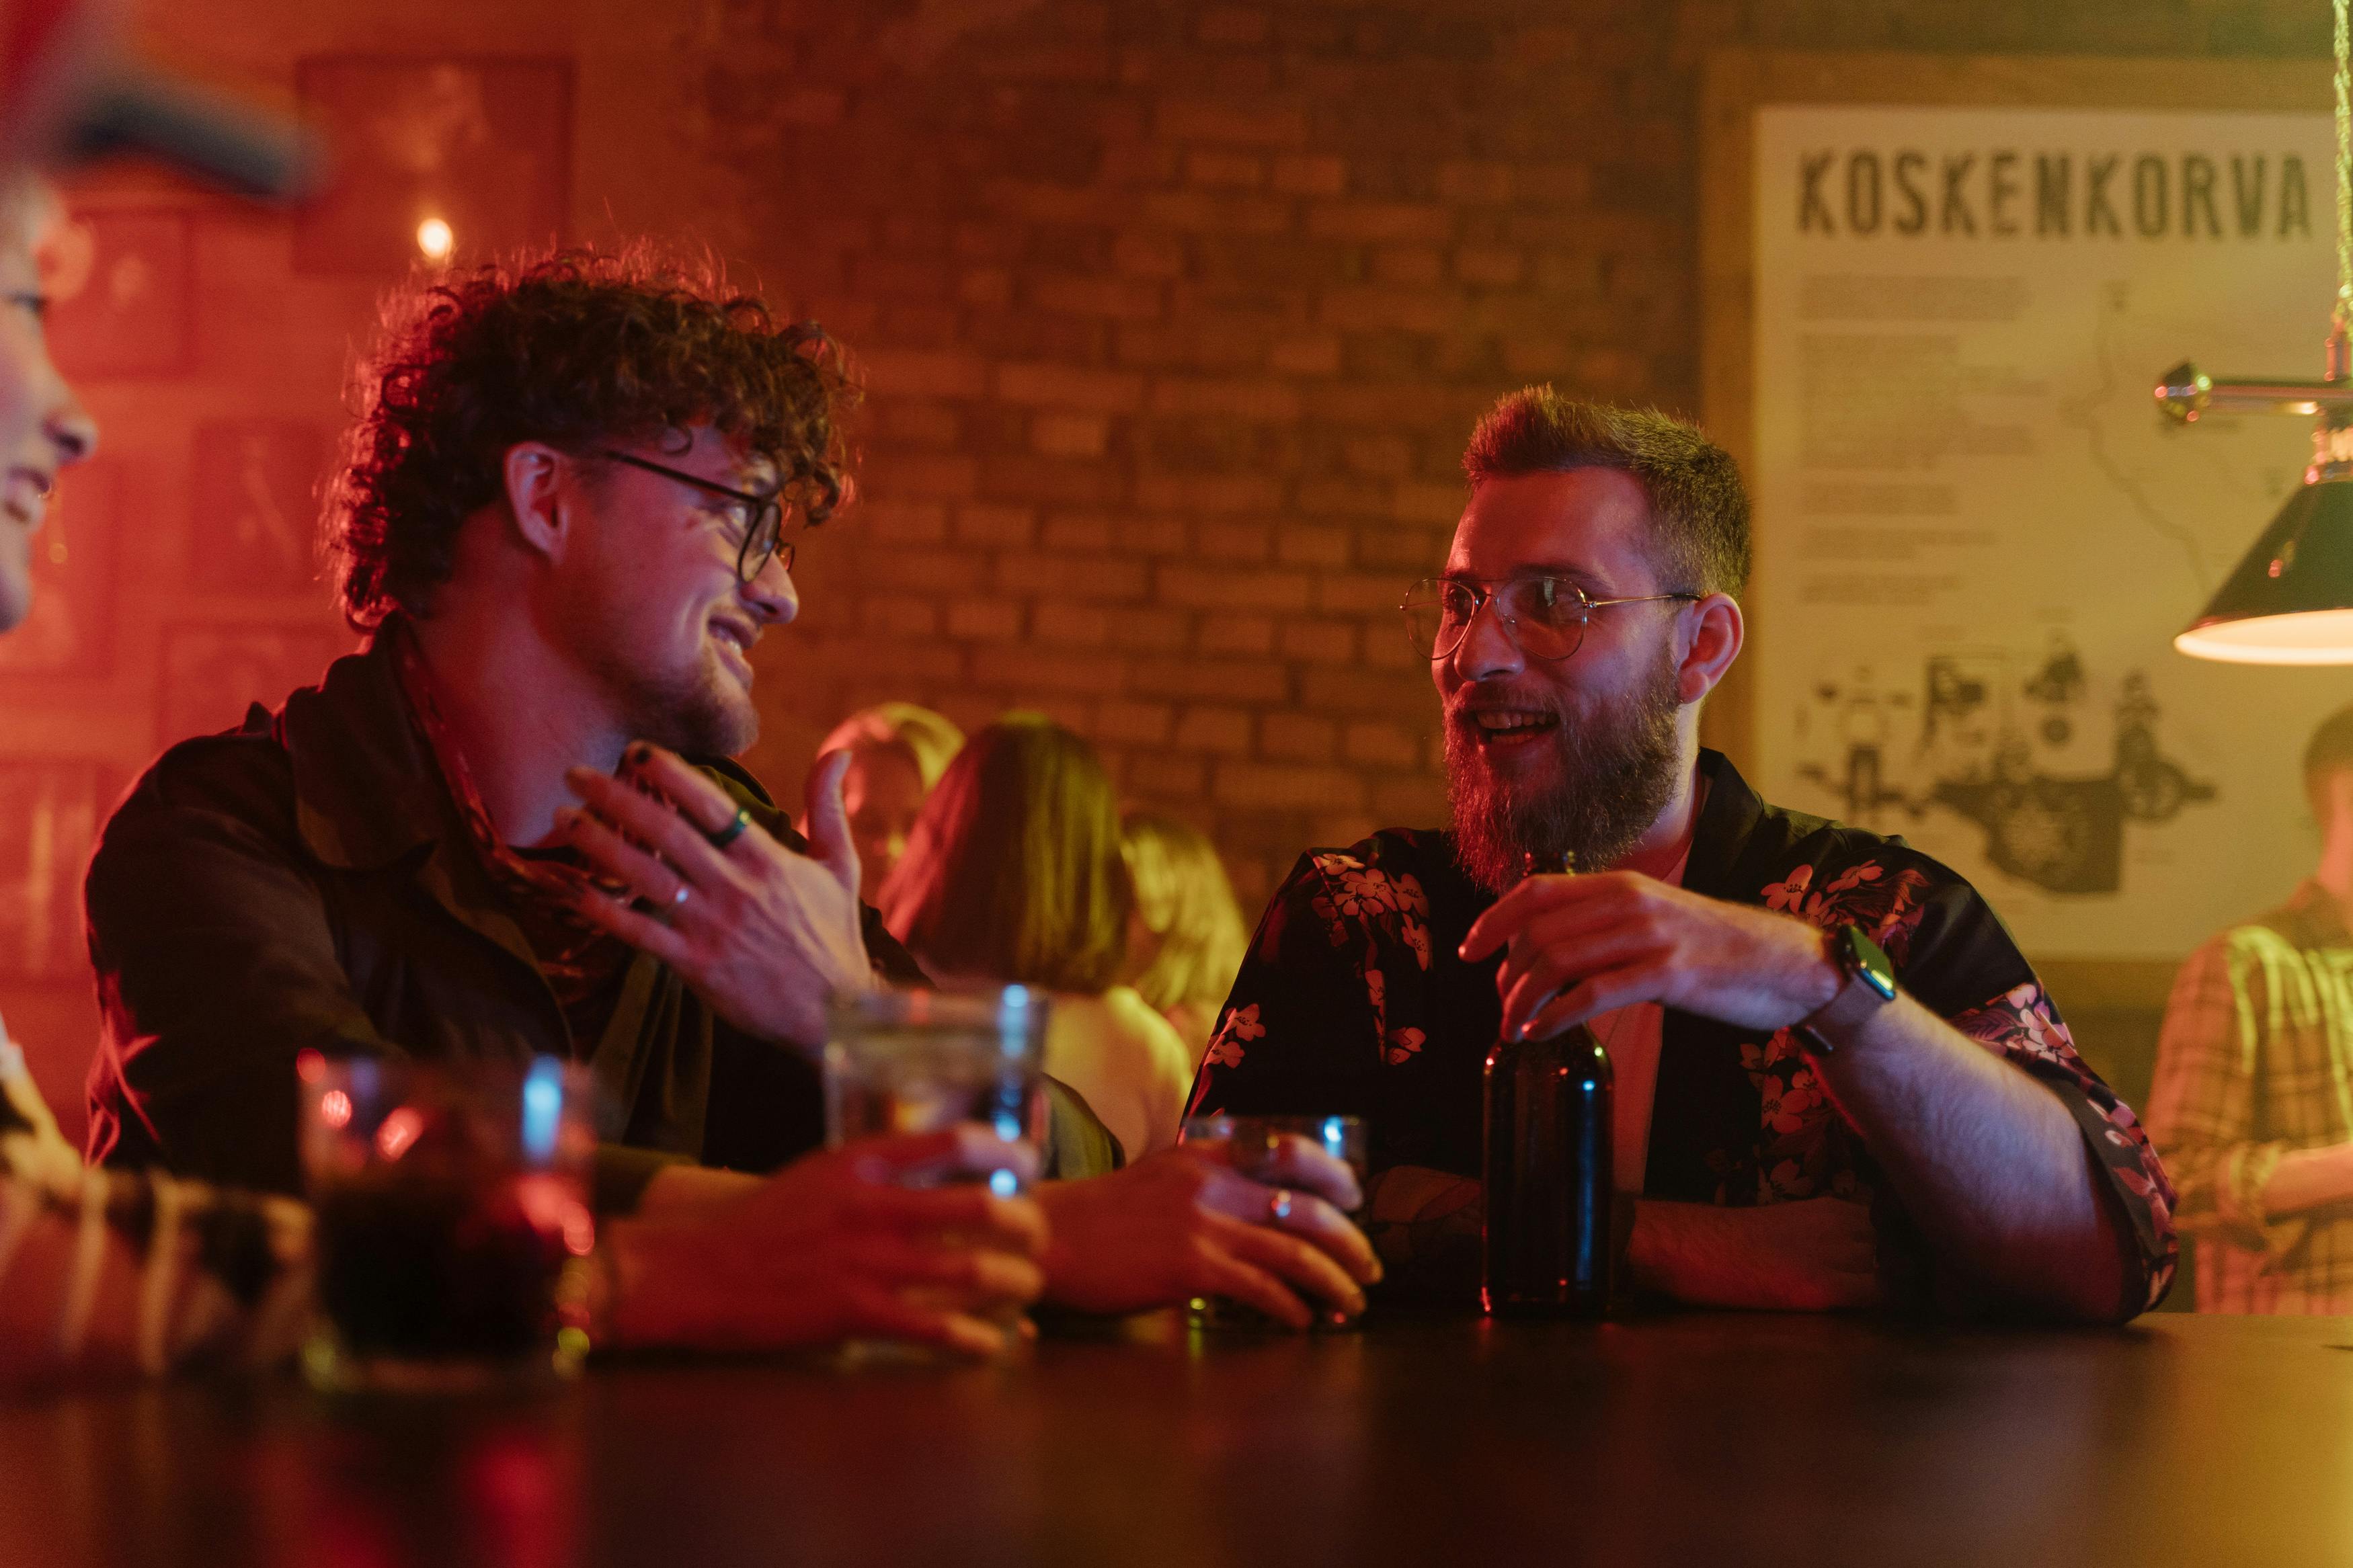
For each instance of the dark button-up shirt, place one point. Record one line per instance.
(1352, 1002)
(307, 882)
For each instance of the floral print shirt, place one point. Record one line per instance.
(1353, 1001)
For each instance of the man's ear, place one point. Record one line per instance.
(538, 478)
(1717, 632)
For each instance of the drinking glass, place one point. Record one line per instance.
(452, 1221)
(917, 1061)
(899, 1061)
(1252, 1141)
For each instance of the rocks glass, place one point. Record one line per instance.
(917, 1061)
(1252, 1141)
(900, 1062)
(453, 1220)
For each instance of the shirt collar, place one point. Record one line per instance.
(366, 790)
(1727, 819)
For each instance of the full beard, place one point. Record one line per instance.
(1614, 773)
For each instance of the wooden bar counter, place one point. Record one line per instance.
(1686, 1439)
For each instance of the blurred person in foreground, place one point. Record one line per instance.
(1186, 938)
(897, 753)
(2249, 1099)
(509, 827)
(1014, 876)
(100, 1271)
(1792, 1137)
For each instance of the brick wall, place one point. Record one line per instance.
(1175, 314)
(1175, 317)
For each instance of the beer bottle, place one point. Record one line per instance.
(1547, 1250)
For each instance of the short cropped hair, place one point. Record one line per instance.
(1013, 872)
(2329, 751)
(575, 348)
(1699, 507)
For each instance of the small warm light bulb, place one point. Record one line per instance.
(434, 238)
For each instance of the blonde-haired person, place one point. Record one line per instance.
(1014, 874)
(897, 753)
(1186, 938)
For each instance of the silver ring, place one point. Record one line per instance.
(1278, 1205)
(677, 899)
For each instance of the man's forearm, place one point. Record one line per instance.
(688, 1189)
(1810, 1255)
(2309, 1179)
(1988, 1161)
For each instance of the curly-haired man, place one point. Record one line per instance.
(569, 509)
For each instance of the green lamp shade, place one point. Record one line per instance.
(2290, 600)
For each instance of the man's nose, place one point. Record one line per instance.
(1486, 649)
(771, 594)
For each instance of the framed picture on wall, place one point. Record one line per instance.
(254, 491)
(459, 156)
(70, 631)
(121, 284)
(212, 673)
(50, 810)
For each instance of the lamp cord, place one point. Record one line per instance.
(2343, 82)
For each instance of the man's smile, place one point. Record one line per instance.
(1500, 726)
(25, 496)
(734, 638)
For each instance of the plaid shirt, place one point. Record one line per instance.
(2257, 1059)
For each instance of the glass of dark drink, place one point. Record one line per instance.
(452, 1221)
(1252, 1141)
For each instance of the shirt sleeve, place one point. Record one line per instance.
(1958, 949)
(1298, 1035)
(2201, 1103)
(216, 967)
(1953, 956)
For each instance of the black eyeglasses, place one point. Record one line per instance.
(762, 518)
(1543, 617)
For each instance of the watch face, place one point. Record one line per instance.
(1871, 962)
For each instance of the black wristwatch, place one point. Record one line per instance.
(1868, 985)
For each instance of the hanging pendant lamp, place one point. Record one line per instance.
(2290, 599)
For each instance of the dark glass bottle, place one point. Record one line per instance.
(1548, 1249)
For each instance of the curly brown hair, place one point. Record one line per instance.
(575, 348)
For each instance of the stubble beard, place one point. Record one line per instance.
(703, 713)
(1614, 771)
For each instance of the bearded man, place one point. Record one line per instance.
(1790, 1136)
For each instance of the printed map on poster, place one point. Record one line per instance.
(1976, 536)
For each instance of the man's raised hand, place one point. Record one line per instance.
(1577, 946)
(762, 933)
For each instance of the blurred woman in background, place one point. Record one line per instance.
(897, 753)
(1185, 939)
(1014, 875)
